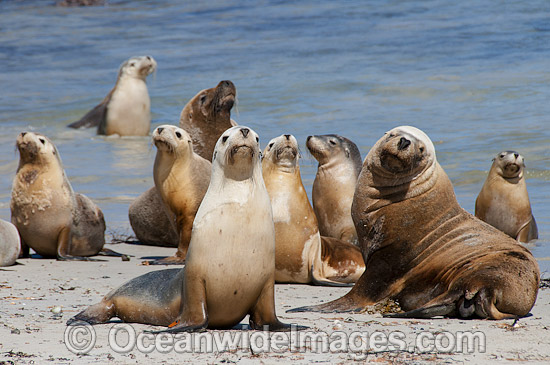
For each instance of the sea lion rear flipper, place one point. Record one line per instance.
(95, 314)
(95, 117)
(425, 312)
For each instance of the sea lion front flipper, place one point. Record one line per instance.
(108, 252)
(183, 246)
(528, 231)
(95, 117)
(194, 315)
(63, 247)
(170, 260)
(348, 303)
(262, 315)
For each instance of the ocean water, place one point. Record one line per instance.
(475, 76)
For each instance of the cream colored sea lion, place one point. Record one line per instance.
(422, 249)
(50, 217)
(334, 185)
(503, 201)
(230, 266)
(10, 243)
(126, 110)
(301, 254)
(207, 115)
(181, 178)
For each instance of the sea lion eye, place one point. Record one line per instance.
(178, 134)
(224, 139)
(271, 145)
(421, 149)
(257, 139)
(502, 155)
(203, 98)
(332, 142)
(132, 64)
(42, 140)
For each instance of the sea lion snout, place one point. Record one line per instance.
(403, 143)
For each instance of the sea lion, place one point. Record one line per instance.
(301, 254)
(149, 220)
(126, 110)
(230, 266)
(503, 201)
(50, 217)
(207, 115)
(334, 185)
(181, 179)
(10, 243)
(422, 249)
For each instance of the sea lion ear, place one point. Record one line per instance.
(215, 154)
(347, 152)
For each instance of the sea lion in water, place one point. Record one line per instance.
(50, 217)
(181, 179)
(126, 110)
(334, 185)
(503, 201)
(10, 243)
(207, 115)
(422, 249)
(230, 266)
(301, 254)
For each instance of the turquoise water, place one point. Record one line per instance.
(474, 77)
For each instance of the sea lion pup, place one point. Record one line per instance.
(126, 110)
(10, 243)
(301, 254)
(50, 217)
(503, 201)
(181, 179)
(334, 185)
(230, 266)
(207, 115)
(422, 249)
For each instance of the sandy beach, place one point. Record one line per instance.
(40, 295)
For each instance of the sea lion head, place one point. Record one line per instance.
(36, 148)
(332, 146)
(509, 164)
(237, 152)
(282, 151)
(138, 67)
(211, 105)
(173, 140)
(401, 155)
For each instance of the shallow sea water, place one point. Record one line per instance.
(474, 77)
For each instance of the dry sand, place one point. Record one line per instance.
(31, 331)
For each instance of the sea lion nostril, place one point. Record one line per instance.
(287, 136)
(245, 131)
(516, 155)
(23, 134)
(403, 143)
(160, 129)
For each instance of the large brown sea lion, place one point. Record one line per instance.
(422, 249)
(230, 267)
(503, 201)
(207, 115)
(334, 185)
(126, 110)
(301, 254)
(50, 217)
